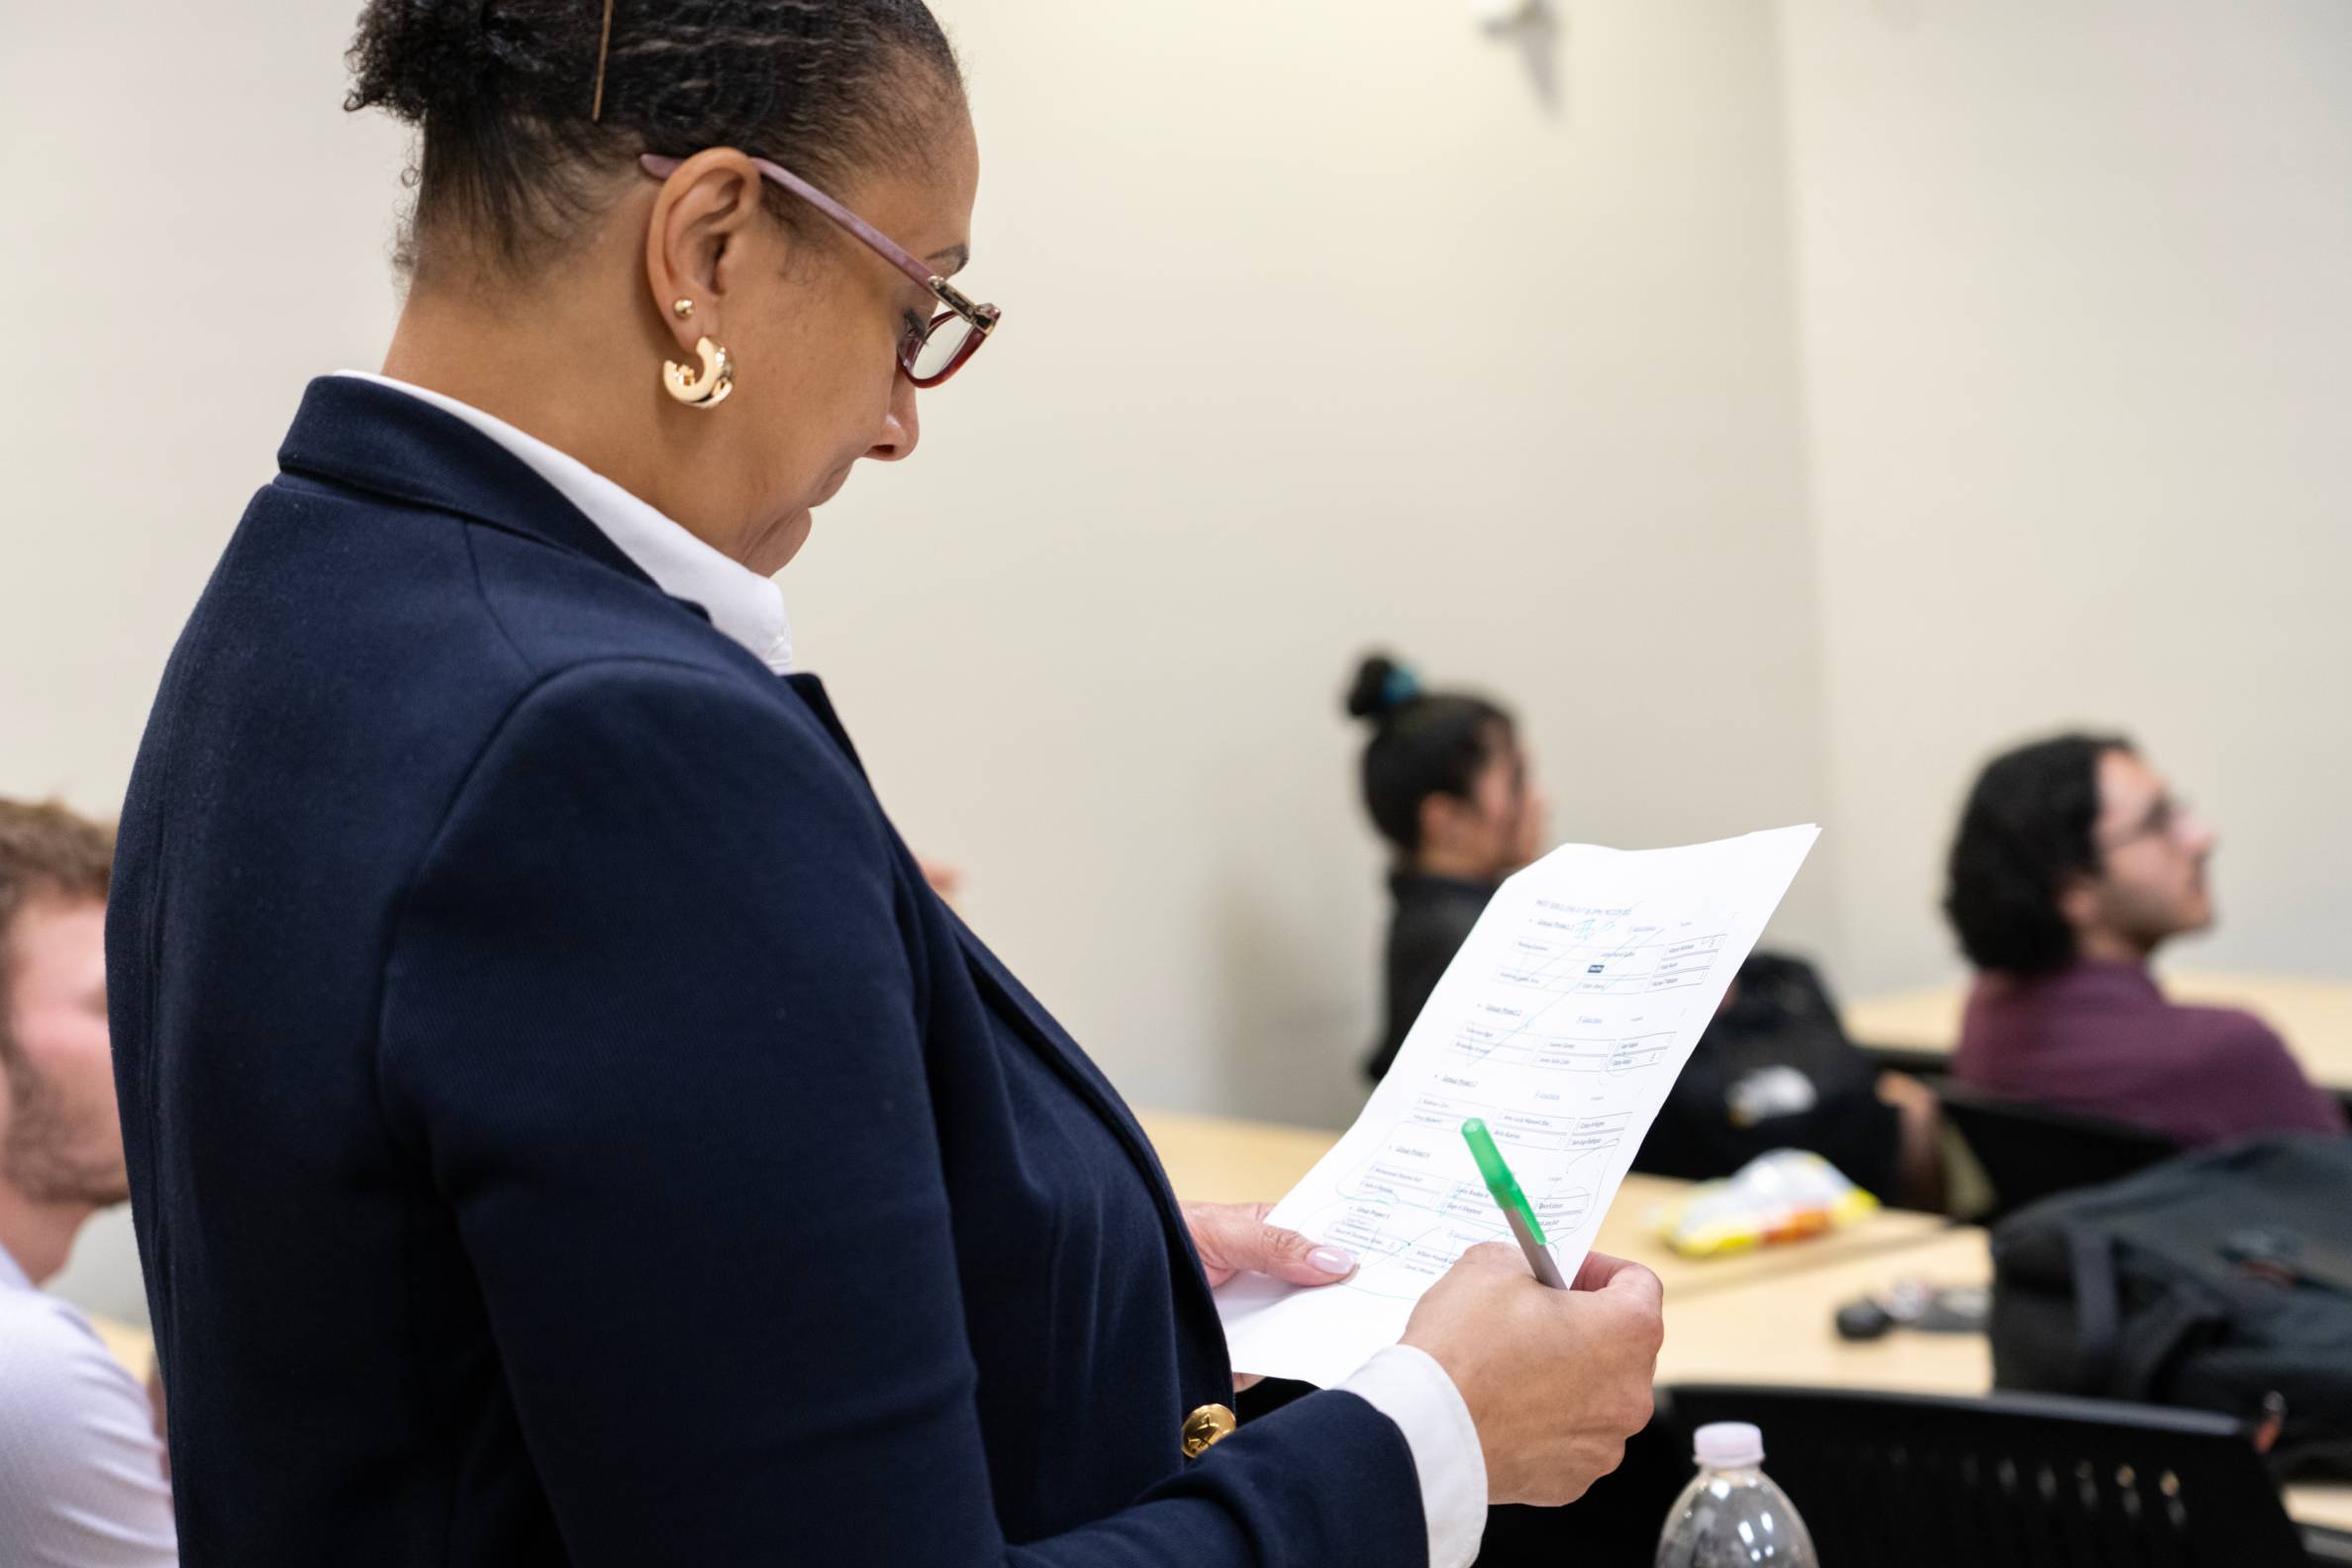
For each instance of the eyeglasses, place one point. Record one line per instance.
(2168, 819)
(927, 358)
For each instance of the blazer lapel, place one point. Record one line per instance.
(1047, 1038)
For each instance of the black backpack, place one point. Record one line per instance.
(2219, 1280)
(1779, 1024)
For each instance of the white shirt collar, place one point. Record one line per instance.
(740, 603)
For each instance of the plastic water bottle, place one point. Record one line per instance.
(1731, 1515)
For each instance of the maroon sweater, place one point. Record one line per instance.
(2101, 1038)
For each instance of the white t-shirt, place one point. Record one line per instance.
(81, 1474)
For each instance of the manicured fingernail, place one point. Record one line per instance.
(1330, 1260)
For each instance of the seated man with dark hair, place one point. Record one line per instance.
(2072, 865)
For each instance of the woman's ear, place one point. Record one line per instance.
(693, 240)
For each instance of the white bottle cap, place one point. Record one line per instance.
(1729, 1445)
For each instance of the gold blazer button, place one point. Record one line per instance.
(1205, 1427)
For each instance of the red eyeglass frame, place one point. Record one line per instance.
(982, 319)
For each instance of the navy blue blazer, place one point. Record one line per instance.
(564, 1128)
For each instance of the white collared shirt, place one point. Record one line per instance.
(81, 1474)
(743, 604)
(1406, 1384)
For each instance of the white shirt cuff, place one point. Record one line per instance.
(1410, 1387)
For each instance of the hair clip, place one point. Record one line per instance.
(604, 48)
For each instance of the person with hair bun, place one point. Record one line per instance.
(1449, 787)
(563, 1126)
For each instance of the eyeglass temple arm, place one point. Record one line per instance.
(874, 239)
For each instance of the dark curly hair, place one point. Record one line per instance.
(1423, 743)
(512, 163)
(2026, 827)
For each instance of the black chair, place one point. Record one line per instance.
(1880, 1480)
(2022, 1481)
(2030, 1150)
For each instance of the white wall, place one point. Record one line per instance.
(2077, 324)
(1319, 333)
(194, 228)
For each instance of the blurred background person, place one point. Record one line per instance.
(1776, 1069)
(2072, 865)
(1448, 784)
(81, 1471)
(1451, 788)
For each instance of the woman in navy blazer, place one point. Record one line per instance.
(564, 1126)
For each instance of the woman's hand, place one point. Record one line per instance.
(1557, 1381)
(1234, 1238)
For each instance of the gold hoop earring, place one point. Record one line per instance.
(708, 389)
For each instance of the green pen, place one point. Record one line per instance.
(1513, 1202)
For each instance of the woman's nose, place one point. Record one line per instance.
(902, 427)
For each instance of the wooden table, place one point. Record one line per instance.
(1216, 1160)
(1780, 1330)
(1756, 1317)
(2313, 1016)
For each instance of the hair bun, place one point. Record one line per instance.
(416, 56)
(1382, 685)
